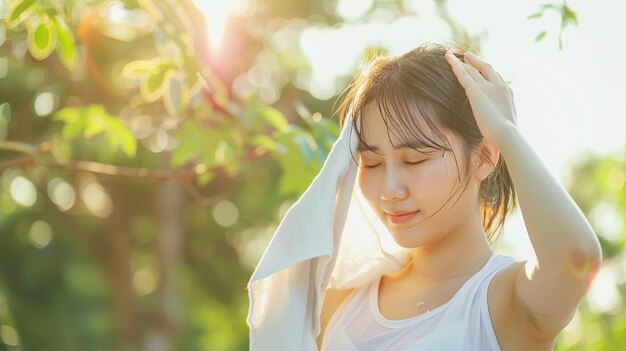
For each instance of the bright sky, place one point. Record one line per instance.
(564, 105)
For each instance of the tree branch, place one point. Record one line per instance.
(33, 159)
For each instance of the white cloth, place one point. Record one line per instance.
(329, 238)
(461, 324)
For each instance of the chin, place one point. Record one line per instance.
(409, 241)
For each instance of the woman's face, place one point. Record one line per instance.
(405, 180)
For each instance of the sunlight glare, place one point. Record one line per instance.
(217, 14)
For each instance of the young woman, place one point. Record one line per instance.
(441, 163)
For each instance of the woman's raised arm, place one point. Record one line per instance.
(568, 252)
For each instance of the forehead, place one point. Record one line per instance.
(396, 132)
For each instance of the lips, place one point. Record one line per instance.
(400, 217)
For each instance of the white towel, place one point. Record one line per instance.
(329, 238)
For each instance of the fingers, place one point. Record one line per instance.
(465, 73)
(485, 69)
(462, 74)
(473, 72)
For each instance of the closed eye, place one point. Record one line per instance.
(406, 162)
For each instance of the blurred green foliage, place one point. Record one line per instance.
(133, 180)
(138, 187)
(598, 185)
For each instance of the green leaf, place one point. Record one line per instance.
(215, 87)
(67, 114)
(73, 130)
(152, 88)
(175, 97)
(42, 38)
(224, 153)
(190, 68)
(273, 117)
(182, 155)
(304, 148)
(19, 11)
(96, 121)
(140, 69)
(549, 6)
(535, 15)
(196, 143)
(331, 128)
(127, 142)
(208, 156)
(265, 142)
(568, 17)
(227, 157)
(296, 174)
(118, 135)
(190, 138)
(66, 48)
(93, 121)
(75, 122)
(540, 36)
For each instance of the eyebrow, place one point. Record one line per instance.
(414, 145)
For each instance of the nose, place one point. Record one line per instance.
(393, 187)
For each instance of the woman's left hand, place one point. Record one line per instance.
(489, 95)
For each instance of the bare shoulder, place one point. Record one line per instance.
(511, 322)
(332, 300)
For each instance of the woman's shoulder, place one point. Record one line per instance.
(508, 320)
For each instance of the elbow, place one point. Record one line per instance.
(593, 250)
(586, 260)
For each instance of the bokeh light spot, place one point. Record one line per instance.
(144, 281)
(23, 191)
(141, 126)
(607, 220)
(603, 294)
(62, 194)
(96, 198)
(44, 104)
(40, 234)
(225, 213)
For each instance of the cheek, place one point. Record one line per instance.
(434, 184)
(368, 183)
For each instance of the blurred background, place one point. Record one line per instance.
(149, 148)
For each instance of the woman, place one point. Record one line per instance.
(434, 130)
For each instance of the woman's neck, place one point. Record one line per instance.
(462, 252)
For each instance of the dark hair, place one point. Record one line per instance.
(422, 83)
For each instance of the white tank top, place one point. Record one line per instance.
(463, 323)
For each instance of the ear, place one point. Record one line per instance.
(485, 164)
